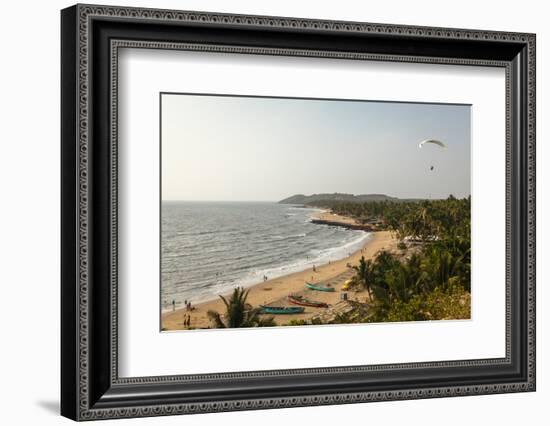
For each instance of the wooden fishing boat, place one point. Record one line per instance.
(300, 300)
(318, 287)
(281, 310)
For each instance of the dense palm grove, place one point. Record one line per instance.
(430, 278)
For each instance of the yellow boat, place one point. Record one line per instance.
(347, 284)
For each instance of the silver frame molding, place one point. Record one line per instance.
(91, 39)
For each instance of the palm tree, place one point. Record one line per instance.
(383, 265)
(409, 278)
(365, 274)
(440, 265)
(239, 313)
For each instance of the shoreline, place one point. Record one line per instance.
(275, 291)
(277, 272)
(320, 217)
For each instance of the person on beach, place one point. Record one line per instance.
(173, 305)
(314, 270)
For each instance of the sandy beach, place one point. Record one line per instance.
(275, 291)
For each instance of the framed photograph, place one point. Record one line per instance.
(263, 212)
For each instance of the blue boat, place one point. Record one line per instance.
(281, 310)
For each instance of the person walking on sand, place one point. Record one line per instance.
(173, 305)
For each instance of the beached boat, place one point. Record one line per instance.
(347, 285)
(281, 309)
(300, 300)
(318, 287)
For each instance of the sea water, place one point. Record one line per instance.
(209, 248)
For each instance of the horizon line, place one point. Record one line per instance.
(277, 201)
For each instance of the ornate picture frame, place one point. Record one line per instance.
(91, 37)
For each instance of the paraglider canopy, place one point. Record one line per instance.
(434, 141)
(432, 156)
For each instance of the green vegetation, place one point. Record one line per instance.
(313, 321)
(419, 220)
(239, 313)
(365, 275)
(430, 279)
(337, 197)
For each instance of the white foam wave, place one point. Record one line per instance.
(316, 257)
(288, 237)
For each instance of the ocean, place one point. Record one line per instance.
(209, 248)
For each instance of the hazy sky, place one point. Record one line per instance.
(261, 149)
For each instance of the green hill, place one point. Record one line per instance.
(308, 199)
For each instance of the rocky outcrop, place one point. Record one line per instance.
(358, 227)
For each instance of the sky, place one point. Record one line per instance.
(229, 148)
